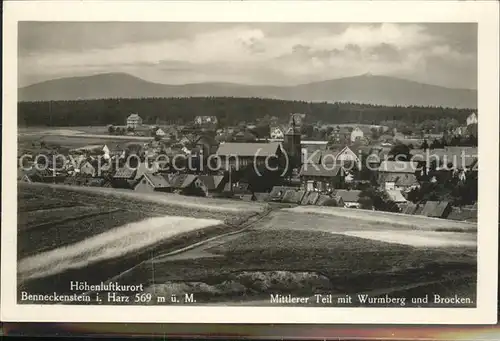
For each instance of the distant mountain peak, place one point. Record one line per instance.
(367, 88)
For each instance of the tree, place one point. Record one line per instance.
(424, 145)
(129, 129)
(435, 144)
(111, 129)
(307, 130)
(377, 199)
(400, 152)
(262, 130)
(374, 133)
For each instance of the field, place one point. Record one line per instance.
(386, 219)
(66, 130)
(291, 253)
(113, 142)
(53, 247)
(236, 252)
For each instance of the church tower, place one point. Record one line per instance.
(292, 144)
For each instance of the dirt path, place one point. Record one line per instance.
(196, 248)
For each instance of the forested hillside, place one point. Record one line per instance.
(229, 110)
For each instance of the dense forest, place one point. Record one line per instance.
(229, 110)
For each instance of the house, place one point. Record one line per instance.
(448, 158)
(277, 132)
(278, 192)
(293, 196)
(160, 133)
(310, 198)
(472, 119)
(124, 177)
(398, 181)
(330, 200)
(207, 144)
(235, 155)
(398, 175)
(340, 135)
(146, 167)
(88, 169)
(462, 130)
(187, 184)
(244, 136)
(409, 208)
(151, 182)
(350, 198)
(297, 119)
(205, 120)
(348, 158)
(134, 121)
(436, 209)
(396, 196)
(43, 175)
(213, 183)
(356, 134)
(321, 177)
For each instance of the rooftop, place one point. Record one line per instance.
(249, 149)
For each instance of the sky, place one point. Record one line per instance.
(249, 53)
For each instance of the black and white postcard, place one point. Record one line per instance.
(250, 162)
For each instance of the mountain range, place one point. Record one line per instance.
(369, 89)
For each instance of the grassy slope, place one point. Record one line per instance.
(33, 239)
(344, 265)
(387, 218)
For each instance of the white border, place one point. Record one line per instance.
(485, 13)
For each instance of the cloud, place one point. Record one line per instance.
(249, 53)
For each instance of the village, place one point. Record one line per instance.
(350, 165)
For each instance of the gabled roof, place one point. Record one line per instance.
(133, 116)
(156, 180)
(182, 180)
(398, 166)
(293, 196)
(279, 191)
(206, 138)
(249, 149)
(400, 179)
(436, 209)
(348, 150)
(310, 198)
(281, 127)
(410, 208)
(396, 196)
(348, 195)
(211, 182)
(321, 170)
(125, 173)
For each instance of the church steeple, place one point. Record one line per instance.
(292, 143)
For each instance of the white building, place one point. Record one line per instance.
(160, 132)
(346, 157)
(134, 121)
(357, 134)
(277, 132)
(201, 120)
(472, 119)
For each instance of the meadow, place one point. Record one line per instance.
(302, 263)
(66, 234)
(129, 237)
(303, 254)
